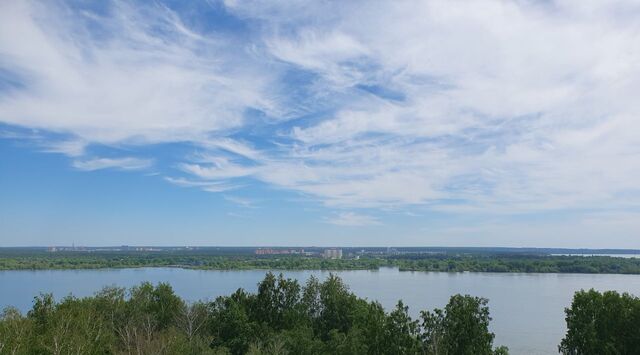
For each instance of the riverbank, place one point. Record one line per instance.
(518, 263)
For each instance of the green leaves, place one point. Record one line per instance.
(461, 328)
(602, 323)
(280, 318)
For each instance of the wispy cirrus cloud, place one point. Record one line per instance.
(134, 74)
(240, 201)
(352, 219)
(209, 186)
(72, 148)
(127, 163)
(504, 106)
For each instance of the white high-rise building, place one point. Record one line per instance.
(332, 254)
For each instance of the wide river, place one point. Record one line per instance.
(527, 309)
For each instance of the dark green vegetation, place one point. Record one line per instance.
(281, 318)
(602, 324)
(186, 260)
(448, 262)
(284, 317)
(521, 263)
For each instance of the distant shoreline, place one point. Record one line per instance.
(373, 249)
(336, 261)
(325, 270)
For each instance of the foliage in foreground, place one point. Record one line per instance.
(602, 324)
(281, 318)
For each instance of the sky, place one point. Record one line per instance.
(320, 123)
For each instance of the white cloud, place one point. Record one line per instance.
(209, 186)
(218, 168)
(72, 148)
(484, 107)
(243, 202)
(352, 219)
(138, 75)
(508, 106)
(127, 163)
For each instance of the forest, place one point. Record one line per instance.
(284, 317)
(447, 262)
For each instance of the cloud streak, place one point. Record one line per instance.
(351, 219)
(127, 163)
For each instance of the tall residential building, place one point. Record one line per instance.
(332, 254)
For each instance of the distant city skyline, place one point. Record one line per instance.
(246, 123)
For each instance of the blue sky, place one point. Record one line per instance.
(489, 123)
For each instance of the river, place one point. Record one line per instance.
(527, 309)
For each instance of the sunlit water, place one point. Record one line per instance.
(527, 309)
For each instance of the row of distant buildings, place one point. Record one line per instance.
(270, 251)
(328, 253)
(331, 253)
(54, 249)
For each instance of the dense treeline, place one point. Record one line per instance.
(522, 263)
(602, 324)
(418, 262)
(133, 260)
(283, 317)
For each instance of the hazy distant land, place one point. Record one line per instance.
(527, 260)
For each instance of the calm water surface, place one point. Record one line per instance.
(527, 309)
